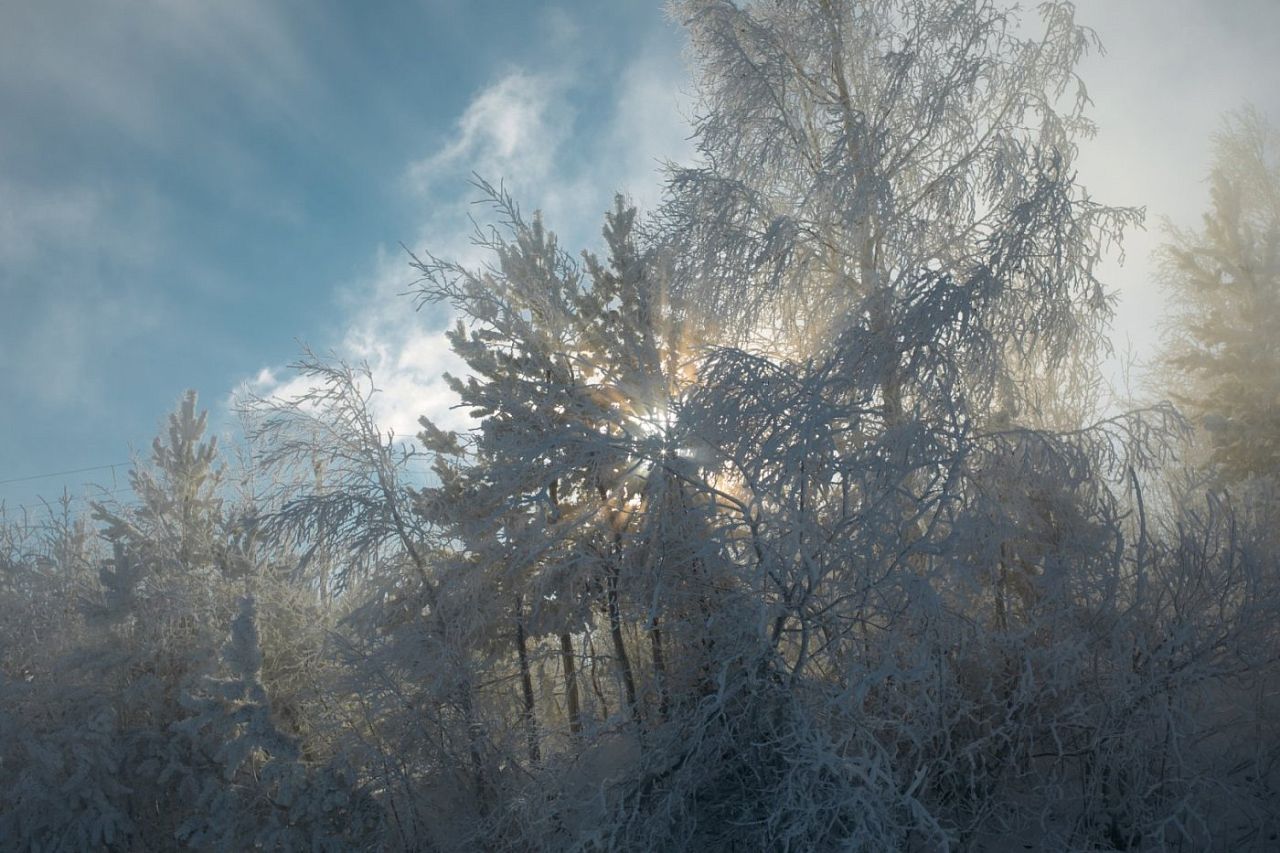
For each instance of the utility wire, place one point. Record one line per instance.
(50, 504)
(62, 473)
(35, 503)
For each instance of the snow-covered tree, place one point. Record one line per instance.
(1225, 280)
(91, 728)
(801, 443)
(410, 680)
(259, 793)
(577, 373)
(786, 522)
(900, 166)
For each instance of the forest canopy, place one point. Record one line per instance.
(792, 516)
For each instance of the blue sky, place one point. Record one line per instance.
(189, 188)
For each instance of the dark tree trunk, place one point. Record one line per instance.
(659, 668)
(571, 684)
(619, 646)
(526, 684)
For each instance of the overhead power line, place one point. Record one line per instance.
(62, 473)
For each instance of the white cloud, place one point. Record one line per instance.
(57, 355)
(61, 315)
(30, 222)
(526, 130)
(84, 219)
(515, 126)
(650, 126)
(110, 66)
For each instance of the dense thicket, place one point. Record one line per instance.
(790, 521)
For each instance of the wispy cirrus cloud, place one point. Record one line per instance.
(530, 131)
(110, 110)
(55, 243)
(31, 221)
(115, 66)
(515, 126)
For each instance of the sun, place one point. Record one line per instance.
(655, 421)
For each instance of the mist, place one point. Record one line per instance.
(858, 434)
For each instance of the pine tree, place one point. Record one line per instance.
(579, 372)
(159, 599)
(1223, 352)
(260, 793)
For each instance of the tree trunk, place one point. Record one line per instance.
(526, 684)
(619, 646)
(571, 684)
(475, 741)
(1002, 589)
(659, 668)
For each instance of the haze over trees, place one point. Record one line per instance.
(1225, 279)
(791, 518)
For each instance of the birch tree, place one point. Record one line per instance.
(406, 645)
(904, 166)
